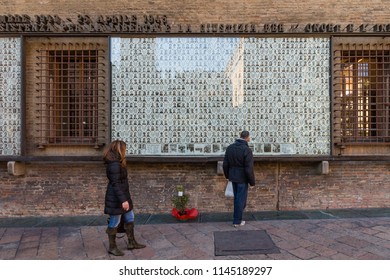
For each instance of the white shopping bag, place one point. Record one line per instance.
(229, 190)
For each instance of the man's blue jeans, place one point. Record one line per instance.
(240, 191)
(115, 219)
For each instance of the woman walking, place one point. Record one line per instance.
(118, 200)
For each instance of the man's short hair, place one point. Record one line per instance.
(244, 134)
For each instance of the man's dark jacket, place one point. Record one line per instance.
(238, 163)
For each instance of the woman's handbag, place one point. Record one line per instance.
(229, 190)
(121, 226)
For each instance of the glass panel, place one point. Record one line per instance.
(192, 96)
(10, 96)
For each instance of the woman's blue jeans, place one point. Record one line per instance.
(115, 219)
(240, 191)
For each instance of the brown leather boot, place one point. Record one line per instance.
(113, 249)
(129, 227)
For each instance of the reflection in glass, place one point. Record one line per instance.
(190, 94)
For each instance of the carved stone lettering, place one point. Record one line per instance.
(273, 28)
(84, 23)
(381, 28)
(349, 28)
(363, 28)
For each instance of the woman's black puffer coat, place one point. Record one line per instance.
(117, 189)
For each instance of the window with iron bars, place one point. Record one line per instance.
(70, 85)
(361, 82)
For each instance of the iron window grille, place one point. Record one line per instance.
(361, 76)
(71, 94)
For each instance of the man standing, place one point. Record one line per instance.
(238, 168)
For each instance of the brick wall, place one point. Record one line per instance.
(348, 185)
(216, 11)
(50, 189)
(78, 188)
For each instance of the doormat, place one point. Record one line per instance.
(243, 242)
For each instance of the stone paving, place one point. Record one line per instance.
(356, 238)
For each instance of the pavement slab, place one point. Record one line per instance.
(302, 235)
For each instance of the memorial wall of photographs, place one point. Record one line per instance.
(192, 96)
(10, 96)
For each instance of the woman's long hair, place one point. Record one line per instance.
(116, 151)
